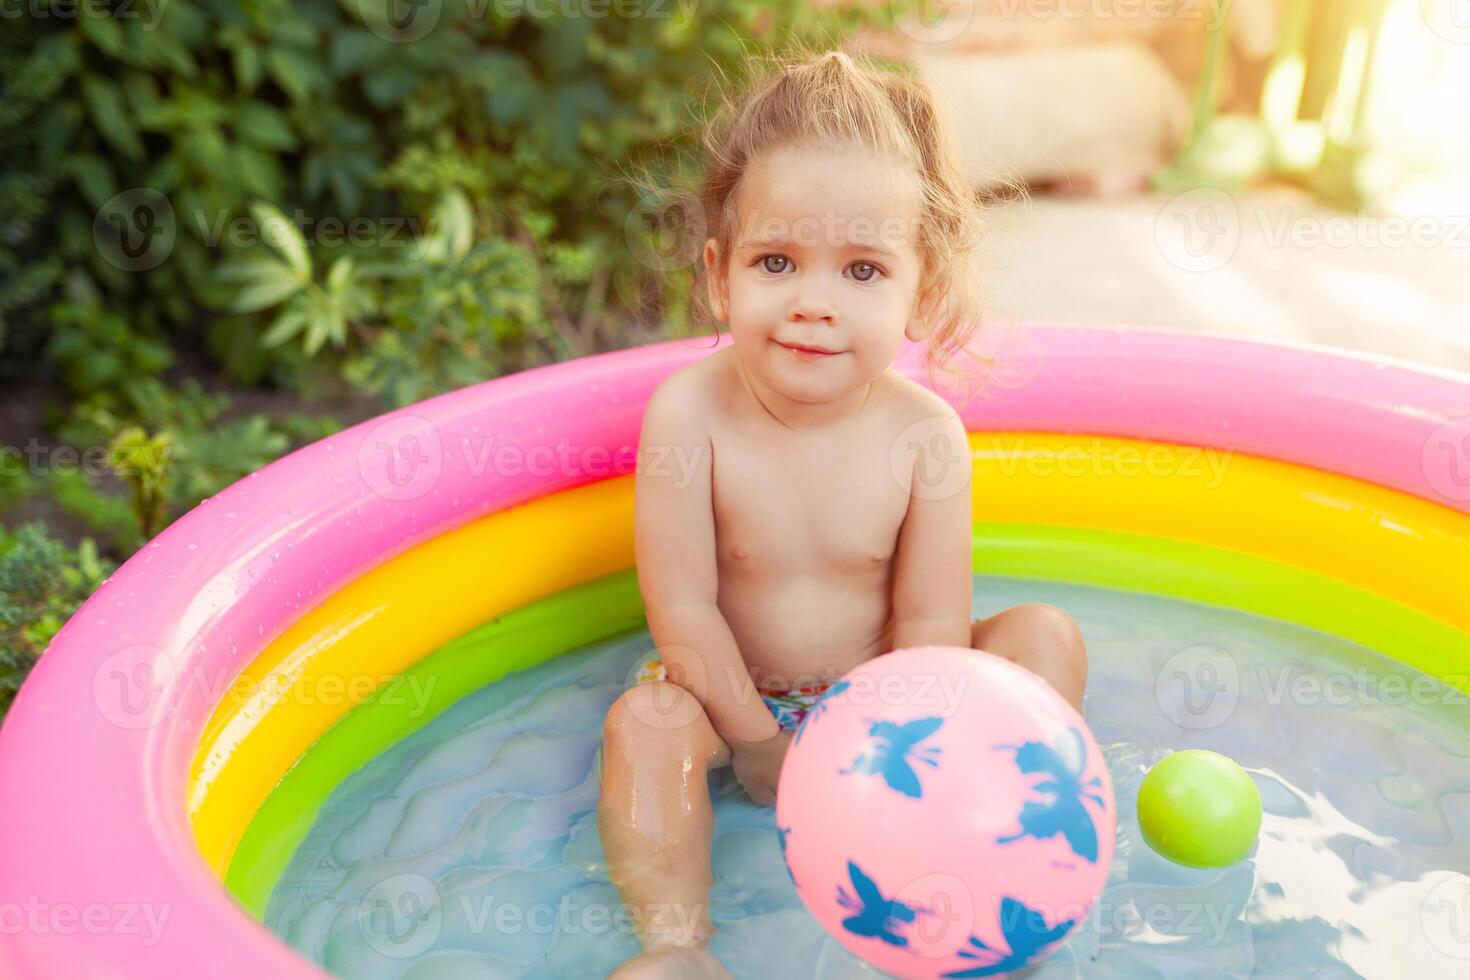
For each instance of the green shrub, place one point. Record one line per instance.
(42, 583)
(193, 176)
(141, 137)
(16, 482)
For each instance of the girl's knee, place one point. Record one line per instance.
(658, 718)
(1034, 632)
(1056, 637)
(1056, 630)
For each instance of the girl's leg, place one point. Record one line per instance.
(1041, 638)
(657, 824)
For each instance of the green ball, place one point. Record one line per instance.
(1199, 809)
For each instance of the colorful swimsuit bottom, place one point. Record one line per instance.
(788, 706)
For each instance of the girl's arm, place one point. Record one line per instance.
(674, 539)
(932, 576)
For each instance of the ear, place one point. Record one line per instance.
(918, 328)
(719, 300)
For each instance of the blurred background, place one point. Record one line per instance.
(230, 227)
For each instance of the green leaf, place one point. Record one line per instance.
(255, 269)
(452, 229)
(161, 49)
(246, 60)
(263, 295)
(105, 106)
(389, 86)
(256, 172)
(345, 187)
(286, 326)
(142, 90)
(388, 270)
(562, 46)
(102, 30)
(260, 125)
(295, 71)
(341, 275)
(94, 177)
(277, 231)
(317, 332)
(354, 48)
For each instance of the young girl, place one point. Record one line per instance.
(821, 515)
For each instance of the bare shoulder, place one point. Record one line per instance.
(909, 403)
(687, 398)
(685, 404)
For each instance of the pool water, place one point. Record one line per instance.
(470, 849)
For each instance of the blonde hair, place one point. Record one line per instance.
(832, 99)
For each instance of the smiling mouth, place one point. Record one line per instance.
(813, 351)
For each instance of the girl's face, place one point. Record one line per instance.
(823, 273)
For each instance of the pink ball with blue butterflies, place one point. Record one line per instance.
(944, 813)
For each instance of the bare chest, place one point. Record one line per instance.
(805, 507)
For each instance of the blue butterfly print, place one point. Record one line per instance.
(781, 834)
(1026, 933)
(820, 705)
(873, 915)
(1063, 813)
(897, 745)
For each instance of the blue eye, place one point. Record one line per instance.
(873, 270)
(765, 261)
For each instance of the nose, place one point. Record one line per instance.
(813, 306)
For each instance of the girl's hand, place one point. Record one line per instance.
(758, 764)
